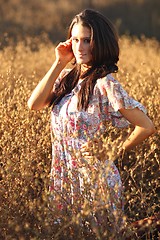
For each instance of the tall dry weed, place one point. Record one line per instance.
(26, 147)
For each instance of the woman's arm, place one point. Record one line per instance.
(143, 127)
(42, 94)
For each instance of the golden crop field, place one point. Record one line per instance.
(26, 147)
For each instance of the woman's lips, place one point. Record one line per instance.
(81, 55)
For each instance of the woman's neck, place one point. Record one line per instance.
(84, 68)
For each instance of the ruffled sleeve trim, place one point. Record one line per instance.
(114, 97)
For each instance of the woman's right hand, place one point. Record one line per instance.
(63, 52)
(43, 93)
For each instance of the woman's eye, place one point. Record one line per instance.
(87, 40)
(75, 39)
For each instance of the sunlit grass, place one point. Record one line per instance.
(26, 146)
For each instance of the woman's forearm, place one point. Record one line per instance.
(143, 127)
(41, 95)
(137, 136)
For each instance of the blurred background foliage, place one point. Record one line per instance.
(25, 146)
(21, 18)
(29, 31)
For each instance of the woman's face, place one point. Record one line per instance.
(81, 37)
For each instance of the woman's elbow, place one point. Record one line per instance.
(151, 129)
(31, 105)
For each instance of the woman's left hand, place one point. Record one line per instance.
(94, 149)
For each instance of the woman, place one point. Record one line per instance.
(84, 101)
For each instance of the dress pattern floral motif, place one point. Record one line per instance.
(72, 128)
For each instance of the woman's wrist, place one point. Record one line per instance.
(59, 63)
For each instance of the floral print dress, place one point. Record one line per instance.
(72, 128)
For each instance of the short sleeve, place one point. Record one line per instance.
(113, 98)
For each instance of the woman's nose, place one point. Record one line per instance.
(80, 45)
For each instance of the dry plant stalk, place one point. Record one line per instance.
(26, 149)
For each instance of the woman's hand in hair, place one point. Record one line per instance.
(63, 52)
(43, 93)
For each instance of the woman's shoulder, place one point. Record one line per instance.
(108, 79)
(64, 72)
(107, 82)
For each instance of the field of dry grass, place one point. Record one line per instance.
(26, 147)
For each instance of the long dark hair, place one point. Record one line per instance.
(105, 55)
